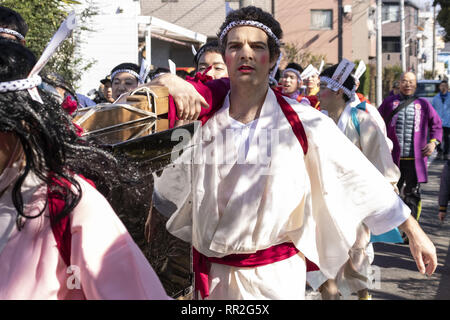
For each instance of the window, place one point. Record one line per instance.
(391, 12)
(391, 44)
(322, 19)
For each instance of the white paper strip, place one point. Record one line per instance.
(360, 70)
(172, 67)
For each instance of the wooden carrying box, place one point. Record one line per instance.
(143, 114)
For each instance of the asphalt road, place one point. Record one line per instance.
(396, 270)
(400, 279)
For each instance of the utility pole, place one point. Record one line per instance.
(379, 88)
(340, 31)
(433, 69)
(402, 35)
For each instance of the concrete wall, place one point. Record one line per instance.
(392, 29)
(363, 31)
(203, 16)
(295, 19)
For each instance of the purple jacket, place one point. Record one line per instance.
(427, 124)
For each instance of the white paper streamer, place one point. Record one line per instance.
(360, 70)
(145, 70)
(172, 67)
(308, 72)
(63, 32)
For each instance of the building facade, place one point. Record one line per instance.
(335, 29)
(391, 34)
(198, 15)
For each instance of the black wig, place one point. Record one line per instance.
(11, 19)
(53, 150)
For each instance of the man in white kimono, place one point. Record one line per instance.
(258, 205)
(362, 129)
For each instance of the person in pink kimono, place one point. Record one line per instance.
(59, 237)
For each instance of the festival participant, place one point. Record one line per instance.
(415, 129)
(363, 131)
(59, 237)
(291, 81)
(251, 218)
(310, 77)
(312, 83)
(104, 92)
(209, 61)
(12, 25)
(124, 78)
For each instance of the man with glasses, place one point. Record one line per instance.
(415, 130)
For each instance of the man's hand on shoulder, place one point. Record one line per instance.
(188, 101)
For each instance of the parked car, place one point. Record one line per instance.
(427, 88)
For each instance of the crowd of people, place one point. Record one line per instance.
(262, 224)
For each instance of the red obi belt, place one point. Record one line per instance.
(202, 263)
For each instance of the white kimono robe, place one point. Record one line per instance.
(371, 140)
(315, 201)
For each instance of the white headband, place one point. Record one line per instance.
(252, 23)
(22, 84)
(127, 71)
(294, 71)
(335, 86)
(12, 32)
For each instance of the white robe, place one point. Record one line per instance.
(315, 201)
(371, 140)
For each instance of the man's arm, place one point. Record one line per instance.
(188, 101)
(194, 98)
(422, 249)
(435, 131)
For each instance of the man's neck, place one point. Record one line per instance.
(404, 96)
(336, 112)
(246, 102)
(311, 91)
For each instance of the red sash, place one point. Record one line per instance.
(202, 263)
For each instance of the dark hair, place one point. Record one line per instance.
(53, 150)
(296, 66)
(255, 14)
(444, 81)
(11, 19)
(127, 65)
(349, 83)
(211, 46)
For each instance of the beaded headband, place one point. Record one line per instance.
(133, 73)
(33, 79)
(341, 74)
(22, 84)
(12, 32)
(297, 73)
(251, 23)
(335, 86)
